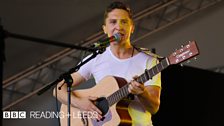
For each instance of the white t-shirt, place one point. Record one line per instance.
(107, 64)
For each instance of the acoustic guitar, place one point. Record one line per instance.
(112, 90)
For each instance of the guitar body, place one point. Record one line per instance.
(117, 114)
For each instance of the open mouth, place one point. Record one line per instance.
(121, 34)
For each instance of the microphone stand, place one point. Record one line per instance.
(66, 76)
(2, 55)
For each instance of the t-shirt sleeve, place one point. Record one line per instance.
(85, 70)
(156, 80)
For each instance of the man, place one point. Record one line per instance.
(120, 59)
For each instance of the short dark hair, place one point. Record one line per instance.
(117, 5)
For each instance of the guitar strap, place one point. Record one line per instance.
(148, 52)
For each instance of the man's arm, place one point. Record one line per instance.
(149, 95)
(62, 94)
(84, 104)
(151, 98)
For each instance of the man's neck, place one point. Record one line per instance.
(122, 51)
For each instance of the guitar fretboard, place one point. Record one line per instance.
(123, 91)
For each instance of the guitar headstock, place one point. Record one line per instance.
(186, 52)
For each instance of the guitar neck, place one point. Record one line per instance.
(149, 73)
(153, 71)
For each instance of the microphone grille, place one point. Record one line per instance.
(117, 37)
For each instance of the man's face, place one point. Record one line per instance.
(118, 21)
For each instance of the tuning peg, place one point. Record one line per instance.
(174, 54)
(189, 41)
(181, 50)
(195, 58)
(182, 46)
(181, 65)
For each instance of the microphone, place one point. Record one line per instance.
(107, 41)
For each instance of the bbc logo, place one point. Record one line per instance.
(14, 115)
